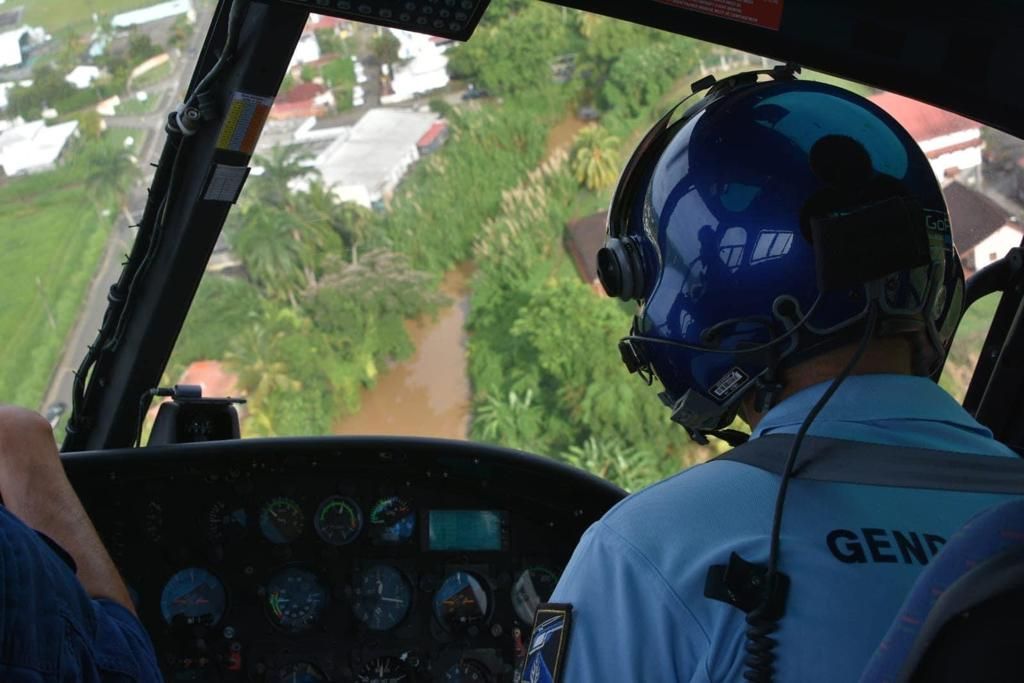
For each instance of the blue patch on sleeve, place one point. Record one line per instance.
(546, 654)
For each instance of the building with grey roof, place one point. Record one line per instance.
(366, 166)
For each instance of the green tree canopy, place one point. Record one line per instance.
(595, 161)
(107, 170)
(384, 47)
(500, 60)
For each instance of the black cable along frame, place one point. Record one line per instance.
(247, 50)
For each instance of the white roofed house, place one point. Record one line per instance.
(33, 147)
(157, 12)
(16, 44)
(82, 76)
(367, 165)
(425, 68)
(306, 50)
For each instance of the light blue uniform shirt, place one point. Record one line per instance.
(636, 580)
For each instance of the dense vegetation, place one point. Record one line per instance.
(542, 355)
(317, 315)
(329, 287)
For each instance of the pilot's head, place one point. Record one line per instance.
(755, 228)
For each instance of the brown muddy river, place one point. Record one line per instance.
(427, 394)
(562, 135)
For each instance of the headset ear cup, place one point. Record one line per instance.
(620, 268)
(636, 270)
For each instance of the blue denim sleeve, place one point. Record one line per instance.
(51, 631)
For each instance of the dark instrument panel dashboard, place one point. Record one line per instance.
(337, 559)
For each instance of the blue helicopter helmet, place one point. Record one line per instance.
(714, 226)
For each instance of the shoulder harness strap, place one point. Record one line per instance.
(856, 462)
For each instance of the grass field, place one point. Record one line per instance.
(130, 106)
(121, 134)
(963, 356)
(51, 240)
(56, 15)
(154, 75)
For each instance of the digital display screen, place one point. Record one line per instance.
(465, 529)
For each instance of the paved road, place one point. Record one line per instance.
(121, 236)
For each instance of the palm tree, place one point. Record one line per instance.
(268, 246)
(385, 46)
(282, 166)
(611, 459)
(588, 23)
(512, 420)
(594, 158)
(260, 374)
(325, 216)
(108, 172)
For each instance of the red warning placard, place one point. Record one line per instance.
(763, 13)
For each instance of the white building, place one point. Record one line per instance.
(33, 147)
(983, 231)
(426, 72)
(146, 15)
(306, 50)
(15, 44)
(425, 68)
(366, 166)
(952, 143)
(82, 76)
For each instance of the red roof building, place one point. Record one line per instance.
(319, 22)
(953, 143)
(303, 101)
(433, 138)
(213, 376)
(583, 238)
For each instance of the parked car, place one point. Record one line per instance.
(474, 93)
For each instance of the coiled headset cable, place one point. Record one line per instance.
(763, 620)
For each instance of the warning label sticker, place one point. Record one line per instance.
(225, 183)
(244, 122)
(763, 13)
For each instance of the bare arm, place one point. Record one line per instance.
(35, 489)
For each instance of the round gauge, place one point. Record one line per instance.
(300, 672)
(281, 520)
(382, 597)
(226, 522)
(467, 670)
(193, 596)
(295, 599)
(392, 520)
(533, 587)
(384, 670)
(460, 601)
(338, 520)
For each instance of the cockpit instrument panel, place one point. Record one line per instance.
(344, 559)
(453, 19)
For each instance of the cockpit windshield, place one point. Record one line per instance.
(414, 251)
